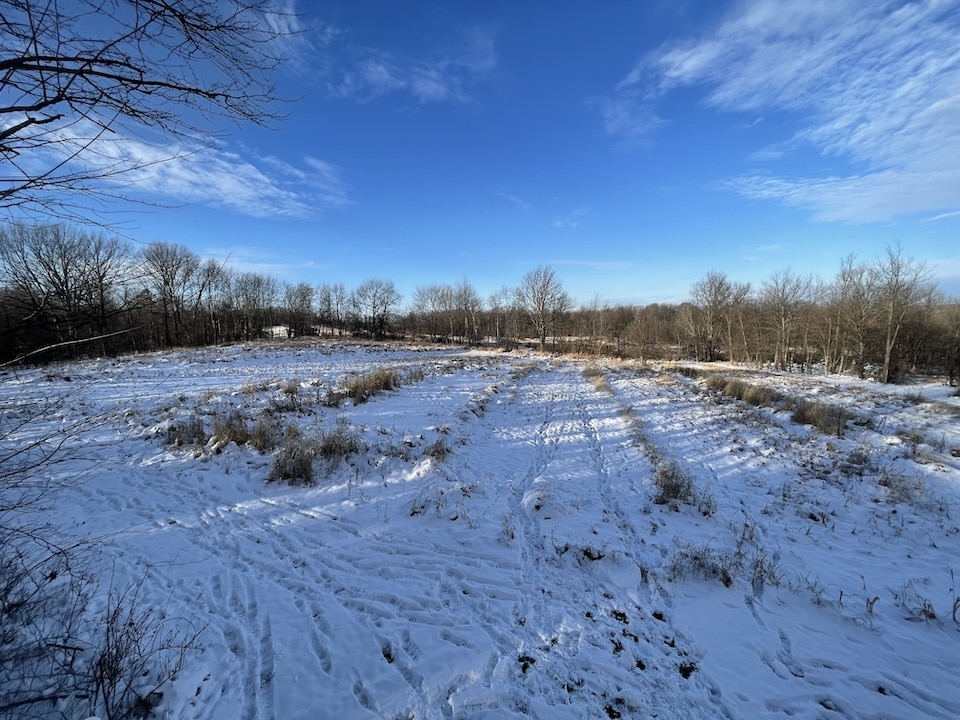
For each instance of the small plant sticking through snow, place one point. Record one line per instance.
(672, 484)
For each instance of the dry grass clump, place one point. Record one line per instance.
(703, 562)
(520, 370)
(294, 460)
(672, 483)
(363, 387)
(690, 372)
(438, 450)
(760, 396)
(230, 427)
(340, 443)
(189, 432)
(756, 395)
(829, 419)
(415, 375)
(263, 436)
(597, 379)
(901, 489)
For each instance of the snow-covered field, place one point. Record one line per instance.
(495, 549)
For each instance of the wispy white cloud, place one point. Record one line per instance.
(241, 258)
(514, 200)
(217, 177)
(944, 216)
(446, 75)
(293, 41)
(571, 221)
(628, 115)
(878, 82)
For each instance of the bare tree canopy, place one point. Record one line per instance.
(542, 295)
(86, 86)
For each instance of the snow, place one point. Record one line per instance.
(527, 570)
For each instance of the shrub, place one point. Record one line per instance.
(263, 436)
(288, 397)
(672, 483)
(294, 460)
(334, 398)
(231, 427)
(340, 443)
(901, 489)
(140, 652)
(415, 375)
(704, 562)
(189, 432)
(438, 450)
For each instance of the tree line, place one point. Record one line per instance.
(66, 292)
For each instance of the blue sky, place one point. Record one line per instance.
(633, 146)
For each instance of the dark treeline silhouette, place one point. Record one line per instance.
(65, 292)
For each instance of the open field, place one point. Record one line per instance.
(512, 536)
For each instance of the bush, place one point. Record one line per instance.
(438, 450)
(703, 562)
(294, 460)
(340, 443)
(229, 428)
(288, 397)
(139, 652)
(263, 436)
(672, 483)
(189, 432)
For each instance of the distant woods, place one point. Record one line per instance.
(65, 293)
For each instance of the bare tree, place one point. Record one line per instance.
(784, 297)
(82, 80)
(376, 300)
(901, 285)
(61, 282)
(467, 304)
(298, 303)
(541, 295)
(211, 300)
(852, 299)
(428, 306)
(712, 297)
(502, 306)
(339, 302)
(255, 294)
(169, 269)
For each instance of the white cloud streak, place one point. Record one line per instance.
(878, 83)
(515, 201)
(216, 177)
(364, 73)
(572, 220)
